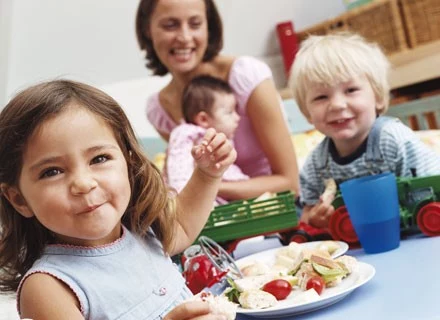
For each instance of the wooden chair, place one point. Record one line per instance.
(420, 114)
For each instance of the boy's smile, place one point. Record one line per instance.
(344, 112)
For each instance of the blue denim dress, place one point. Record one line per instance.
(128, 279)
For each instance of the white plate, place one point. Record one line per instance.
(329, 296)
(270, 254)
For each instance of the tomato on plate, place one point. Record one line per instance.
(279, 288)
(317, 283)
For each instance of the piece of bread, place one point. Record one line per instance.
(330, 191)
(256, 299)
(218, 304)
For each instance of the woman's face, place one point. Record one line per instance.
(179, 32)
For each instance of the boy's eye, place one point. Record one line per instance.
(50, 172)
(352, 89)
(320, 97)
(100, 159)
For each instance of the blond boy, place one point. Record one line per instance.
(340, 83)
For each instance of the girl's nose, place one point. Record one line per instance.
(83, 184)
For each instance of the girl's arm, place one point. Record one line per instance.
(44, 297)
(272, 133)
(196, 200)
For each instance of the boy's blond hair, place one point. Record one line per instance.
(336, 58)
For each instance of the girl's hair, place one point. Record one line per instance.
(23, 239)
(337, 58)
(143, 17)
(198, 95)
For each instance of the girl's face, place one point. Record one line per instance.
(74, 179)
(344, 112)
(179, 32)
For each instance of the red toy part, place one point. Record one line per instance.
(428, 219)
(200, 273)
(341, 228)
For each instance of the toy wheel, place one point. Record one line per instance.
(428, 219)
(341, 228)
(299, 236)
(218, 256)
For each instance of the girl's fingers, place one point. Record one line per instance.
(216, 141)
(189, 310)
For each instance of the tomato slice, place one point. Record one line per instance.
(317, 283)
(279, 288)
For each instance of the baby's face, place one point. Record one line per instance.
(345, 112)
(224, 117)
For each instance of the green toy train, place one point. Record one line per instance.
(419, 201)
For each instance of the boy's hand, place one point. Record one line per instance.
(215, 154)
(318, 215)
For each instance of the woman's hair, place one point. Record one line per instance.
(198, 95)
(337, 58)
(22, 239)
(143, 18)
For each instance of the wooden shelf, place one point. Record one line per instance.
(415, 65)
(408, 67)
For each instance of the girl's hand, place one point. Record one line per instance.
(215, 154)
(194, 310)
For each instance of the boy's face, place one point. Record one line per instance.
(224, 117)
(74, 179)
(344, 112)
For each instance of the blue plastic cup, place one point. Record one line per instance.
(373, 206)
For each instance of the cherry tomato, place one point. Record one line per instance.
(279, 288)
(317, 283)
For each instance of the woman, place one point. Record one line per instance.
(184, 38)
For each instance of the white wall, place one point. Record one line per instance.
(5, 32)
(94, 41)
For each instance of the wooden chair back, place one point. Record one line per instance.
(421, 114)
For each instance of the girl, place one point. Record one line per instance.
(87, 224)
(184, 38)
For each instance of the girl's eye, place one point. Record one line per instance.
(352, 89)
(50, 172)
(100, 159)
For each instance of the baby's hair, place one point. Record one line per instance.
(22, 240)
(198, 95)
(336, 58)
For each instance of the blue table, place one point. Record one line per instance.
(406, 284)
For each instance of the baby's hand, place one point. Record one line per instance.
(215, 154)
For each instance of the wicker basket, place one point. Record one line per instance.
(422, 19)
(379, 21)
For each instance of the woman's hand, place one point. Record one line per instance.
(194, 310)
(215, 154)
